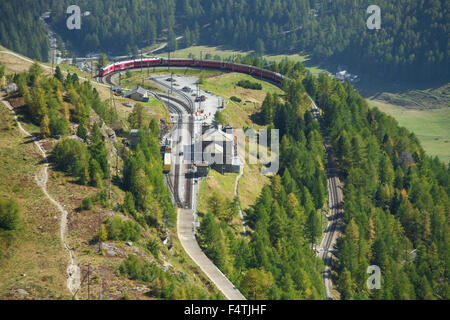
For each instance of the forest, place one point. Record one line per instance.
(412, 43)
(22, 31)
(396, 196)
(396, 200)
(277, 261)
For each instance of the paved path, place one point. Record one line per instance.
(189, 242)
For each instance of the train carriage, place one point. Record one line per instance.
(167, 162)
(153, 62)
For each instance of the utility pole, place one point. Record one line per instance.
(117, 163)
(141, 65)
(53, 58)
(100, 234)
(89, 282)
(110, 187)
(100, 293)
(168, 103)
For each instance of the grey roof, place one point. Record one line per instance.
(213, 148)
(140, 91)
(214, 134)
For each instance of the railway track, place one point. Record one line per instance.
(188, 101)
(177, 166)
(189, 167)
(336, 209)
(172, 104)
(335, 199)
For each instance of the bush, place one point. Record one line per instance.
(135, 269)
(249, 85)
(58, 126)
(9, 214)
(235, 99)
(82, 132)
(119, 229)
(86, 204)
(153, 247)
(102, 198)
(71, 156)
(218, 116)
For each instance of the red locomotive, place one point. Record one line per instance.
(163, 62)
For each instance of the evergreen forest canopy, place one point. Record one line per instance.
(411, 44)
(396, 200)
(277, 262)
(396, 197)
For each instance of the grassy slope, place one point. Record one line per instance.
(35, 249)
(426, 112)
(238, 114)
(38, 252)
(432, 127)
(226, 53)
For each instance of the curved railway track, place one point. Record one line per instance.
(173, 104)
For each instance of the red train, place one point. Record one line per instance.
(161, 62)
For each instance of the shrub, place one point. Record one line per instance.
(236, 99)
(218, 116)
(102, 198)
(58, 126)
(82, 132)
(135, 269)
(119, 229)
(71, 156)
(9, 214)
(153, 247)
(249, 85)
(86, 204)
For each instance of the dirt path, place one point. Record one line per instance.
(73, 271)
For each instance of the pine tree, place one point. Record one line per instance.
(82, 132)
(95, 173)
(257, 283)
(137, 118)
(45, 127)
(58, 74)
(346, 285)
(313, 227)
